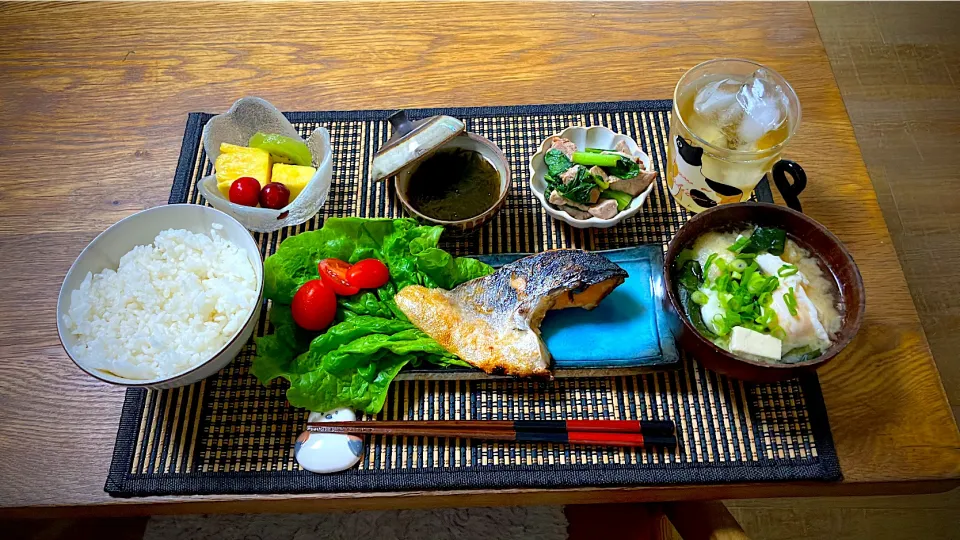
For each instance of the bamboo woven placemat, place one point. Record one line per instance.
(229, 434)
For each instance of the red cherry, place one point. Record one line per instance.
(245, 191)
(274, 195)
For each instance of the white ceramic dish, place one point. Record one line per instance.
(246, 117)
(140, 229)
(587, 137)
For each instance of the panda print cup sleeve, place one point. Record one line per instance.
(731, 120)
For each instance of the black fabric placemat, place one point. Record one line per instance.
(230, 435)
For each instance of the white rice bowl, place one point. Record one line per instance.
(167, 308)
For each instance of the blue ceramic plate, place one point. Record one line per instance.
(628, 332)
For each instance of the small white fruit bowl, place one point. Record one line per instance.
(141, 229)
(246, 117)
(587, 137)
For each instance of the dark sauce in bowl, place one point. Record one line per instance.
(454, 184)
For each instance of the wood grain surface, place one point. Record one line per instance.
(94, 99)
(901, 86)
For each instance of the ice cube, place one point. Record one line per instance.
(764, 117)
(717, 103)
(716, 97)
(707, 130)
(764, 107)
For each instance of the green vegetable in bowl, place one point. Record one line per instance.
(578, 189)
(581, 177)
(625, 168)
(557, 162)
(352, 363)
(623, 199)
(601, 160)
(613, 163)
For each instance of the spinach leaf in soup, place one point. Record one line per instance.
(801, 354)
(692, 311)
(689, 280)
(557, 162)
(766, 239)
(690, 276)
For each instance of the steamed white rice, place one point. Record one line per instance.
(169, 306)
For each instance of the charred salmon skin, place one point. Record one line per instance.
(493, 322)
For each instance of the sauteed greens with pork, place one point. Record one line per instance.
(594, 182)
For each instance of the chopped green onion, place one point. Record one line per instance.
(721, 325)
(700, 298)
(747, 255)
(721, 264)
(739, 244)
(706, 265)
(790, 299)
(771, 284)
(747, 274)
(770, 317)
(765, 299)
(757, 284)
(778, 333)
(739, 265)
(787, 270)
(734, 304)
(736, 275)
(754, 327)
(721, 282)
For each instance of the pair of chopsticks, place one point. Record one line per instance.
(624, 433)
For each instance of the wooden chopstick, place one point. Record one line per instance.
(646, 427)
(455, 429)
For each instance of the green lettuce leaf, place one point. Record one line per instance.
(352, 363)
(361, 391)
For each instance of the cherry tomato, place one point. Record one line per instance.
(245, 191)
(314, 305)
(368, 274)
(333, 272)
(274, 195)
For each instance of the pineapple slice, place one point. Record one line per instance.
(239, 161)
(295, 177)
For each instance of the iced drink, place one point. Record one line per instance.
(731, 119)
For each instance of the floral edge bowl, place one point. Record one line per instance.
(586, 137)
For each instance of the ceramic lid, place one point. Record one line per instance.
(412, 141)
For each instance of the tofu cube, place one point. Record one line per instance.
(239, 161)
(295, 177)
(749, 342)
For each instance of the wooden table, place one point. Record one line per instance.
(94, 99)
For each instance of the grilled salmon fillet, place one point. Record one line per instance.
(493, 322)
